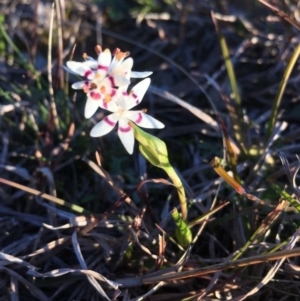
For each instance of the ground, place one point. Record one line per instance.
(81, 219)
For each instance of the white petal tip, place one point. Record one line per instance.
(130, 152)
(78, 85)
(94, 133)
(87, 116)
(136, 74)
(126, 135)
(91, 107)
(71, 65)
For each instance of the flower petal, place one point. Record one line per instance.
(104, 126)
(137, 93)
(114, 63)
(126, 135)
(143, 120)
(136, 74)
(91, 107)
(104, 60)
(91, 63)
(104, 101)
(108, 105)
(69, 70)
(120, 80)
(79, 85)
(121, 97)
(81, 69)
(125, 66)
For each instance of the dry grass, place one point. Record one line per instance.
(80, 219)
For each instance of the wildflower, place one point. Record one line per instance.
(120, 105)
(102, 76)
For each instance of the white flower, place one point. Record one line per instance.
(103, 76)
(120, 105)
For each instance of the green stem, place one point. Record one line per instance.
(155, 151)
(181, 192)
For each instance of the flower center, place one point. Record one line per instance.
(107, 98)
(121, 112)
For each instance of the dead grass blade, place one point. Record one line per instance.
(101, 172)
(6, 108)
(45, 196)
(64, 271)
(77, 250)
(195, 111)
(60, 12)
(281, 14)
(172, 276)
(215, 163)
(53, 109)
(32, 289)
(150, 292)
(75, 221)
(12, 259)
(5, 142)
(291, 176)
(14, 289)
(270, 275)
(18, 246)
(263, 228)
(161, 251)
(50, 179)
(257, 173)
(145, 249)
(204, 217)
(64, 145)
(48, 248)
(83, 265)
(20, 171)
(26, 217)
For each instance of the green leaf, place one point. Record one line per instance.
(182, 232)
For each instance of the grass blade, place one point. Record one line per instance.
(263, 228)
(215, 163)
(234, 86)
(45, 196)
(281, 90)
(22, 58)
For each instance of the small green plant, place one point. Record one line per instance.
(106, 82)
